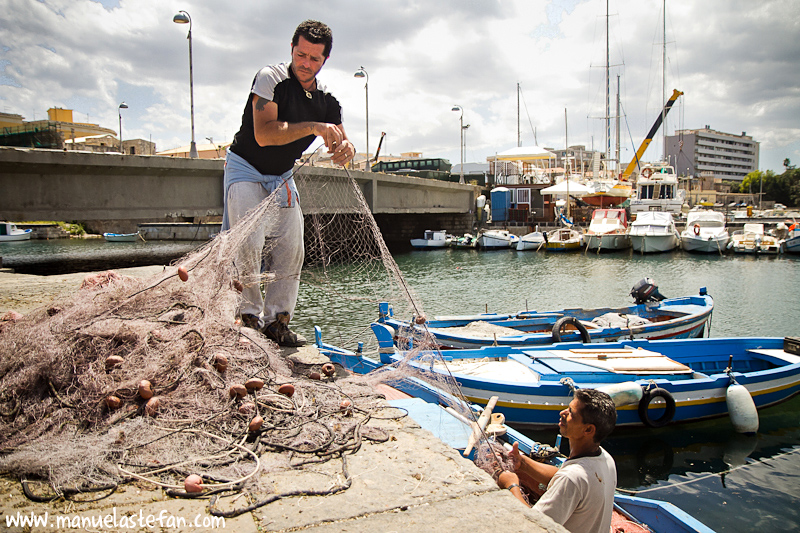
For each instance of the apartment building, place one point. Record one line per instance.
(702, 151)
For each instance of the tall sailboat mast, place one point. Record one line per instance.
(617, 158)
(664, 78)
(519, 137)
(608, 96)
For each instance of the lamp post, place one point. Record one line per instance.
(183, 18)
(461, 129)
(122, 106)
(362, 73)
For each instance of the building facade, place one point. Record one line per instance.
(704, 151)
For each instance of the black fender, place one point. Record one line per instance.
(648, 396)
(561, 322)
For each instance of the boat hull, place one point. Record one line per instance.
(679, 318)
(792, 245)
(536, 396)
(705, 244)
(21, 235)
(607, 241)
(121, 237)
(424, 243)
(654, 243)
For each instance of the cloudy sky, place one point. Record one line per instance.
(736, 61)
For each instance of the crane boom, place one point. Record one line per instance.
(640, 152)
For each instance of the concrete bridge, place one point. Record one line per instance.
(116, 192)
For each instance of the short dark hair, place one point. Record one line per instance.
(314, 32)
(597, 409)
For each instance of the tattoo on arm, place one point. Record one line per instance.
(261, 103)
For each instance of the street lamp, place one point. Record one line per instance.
(362, 73)
(122, 106)
(183, 18)
(461, 129)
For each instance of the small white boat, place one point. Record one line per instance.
(531, 241)
(752, 240)
(564, 240)
(705, 232)
(608, 230)
(432, 239)
(121, 237)
(10, 232)
(654, 232)
(496, 239)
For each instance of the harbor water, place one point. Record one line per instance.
(730, 482)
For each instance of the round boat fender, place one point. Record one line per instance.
(563, 321)
(741, 408)
(648, 396)
(697, 229)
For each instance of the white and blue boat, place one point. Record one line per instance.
(653, 382)
(426, 408)
(122, 237)
(648, 318)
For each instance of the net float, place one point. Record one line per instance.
(238, 285)
(112, 402)
(151, 407)
(220, 363)
(113, 361)
(346, 406)
(247, 408)
(420, 319)
(256, 424)
(254, 384)
(328, 369)
(287, 389)
(193, 483)
(183, 273)
(145, 389)
(238, 391)
(315, 376)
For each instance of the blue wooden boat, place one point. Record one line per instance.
(648, 318)
(426, 409)
(653, 382)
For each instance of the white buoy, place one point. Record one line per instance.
(625, 393)
(742, 409)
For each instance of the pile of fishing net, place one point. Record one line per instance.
(157, 380)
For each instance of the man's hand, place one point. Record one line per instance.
(343, 153)
(332, 135)
(515, 456)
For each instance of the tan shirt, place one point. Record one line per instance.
(581, 494)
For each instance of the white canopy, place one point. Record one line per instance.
(523, 153)
(561, 188)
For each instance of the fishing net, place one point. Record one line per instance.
(157, 379)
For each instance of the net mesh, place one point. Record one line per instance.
(75, 414)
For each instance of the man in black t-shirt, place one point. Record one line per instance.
(286, 109)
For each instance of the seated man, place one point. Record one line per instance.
(580, 494)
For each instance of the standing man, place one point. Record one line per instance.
(286, 109)
(580, 494)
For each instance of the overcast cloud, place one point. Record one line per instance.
(736, 61)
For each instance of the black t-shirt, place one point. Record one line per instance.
(278, 84)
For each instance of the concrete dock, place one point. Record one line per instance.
(412, 482)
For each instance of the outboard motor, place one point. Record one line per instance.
(646, 290)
